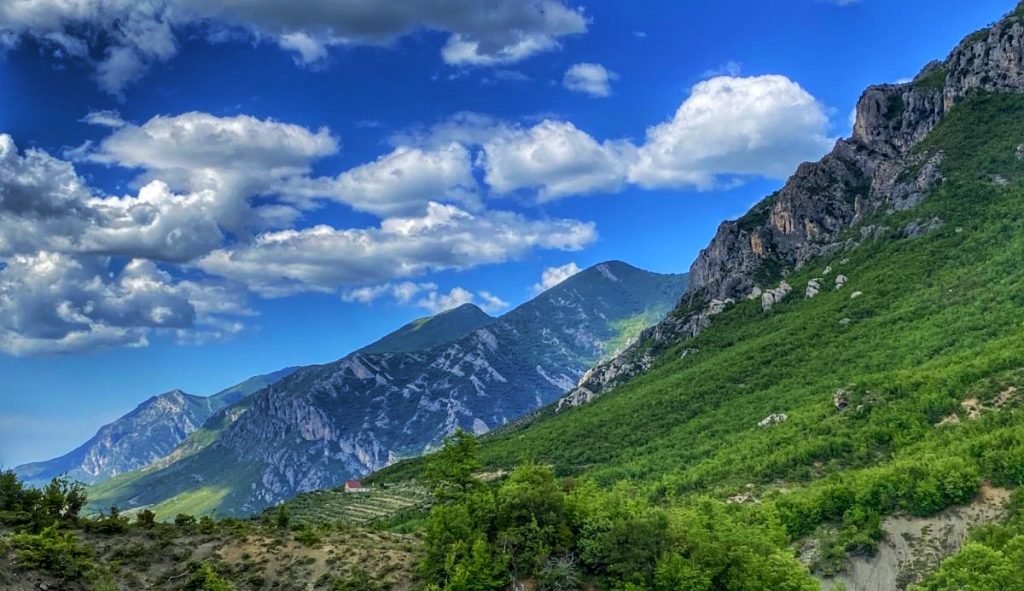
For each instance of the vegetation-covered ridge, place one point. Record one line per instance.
(896, 392)
(46, 544)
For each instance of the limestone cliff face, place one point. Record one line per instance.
(874, 170)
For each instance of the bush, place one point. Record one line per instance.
(145, 519)
(184, 520)
(110, 522)
(560, 574)
(53, 551)
(205, 578)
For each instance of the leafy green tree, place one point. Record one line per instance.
(282, 519)
(976, 568)
(145, 519)
(450, 470)
(54, 551)
(474, 567)
(205, 578)
(675, 573)
(531, 519)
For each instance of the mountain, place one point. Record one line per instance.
(879, 171)
(848, 360)
(325, 424)
(430, 331)
(149, 432)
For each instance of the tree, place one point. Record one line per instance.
(531, 519)
(145, 518)
(449, 471)
(207, 579)
(976, 568)
(282, 519)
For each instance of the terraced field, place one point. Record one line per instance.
(337, 506)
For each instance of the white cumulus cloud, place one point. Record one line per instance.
(122, 38)
(592, 79)
(323, 258)
(728, 126)
(556, 159)
(552, 276)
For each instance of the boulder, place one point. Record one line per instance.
(841, 281)
(813, 288)
(841, 399)
(774, 296)
(773, 419)
(856, 295)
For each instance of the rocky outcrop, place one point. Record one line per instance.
(874, 171)
(772, 420)
(775, 296)
(813, 287)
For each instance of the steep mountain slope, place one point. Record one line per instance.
(876, 366)
(327, 423)
(877, 171)
(431, 331)
(146, 434)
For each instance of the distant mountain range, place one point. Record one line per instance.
(146, 434)
(399, 396)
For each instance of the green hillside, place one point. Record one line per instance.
(939, 321)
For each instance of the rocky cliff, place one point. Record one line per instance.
(873, 172)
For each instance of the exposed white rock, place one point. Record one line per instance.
(607, 273)
(827, 270)
(845, 322)
(754, 293)
(841, 281)
(718, 306)
(773, 419)
(856, 295)
(813, 288)
(774, 296)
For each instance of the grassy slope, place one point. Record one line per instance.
(940, 320)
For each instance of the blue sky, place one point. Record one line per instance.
(202, 194)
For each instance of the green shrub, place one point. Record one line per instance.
(53, 551)
(205, 578)
(145, 519)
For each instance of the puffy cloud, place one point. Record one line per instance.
(222, 162)
(432, 300)
(55, 303)
(45, 205)
(436, 302)
(491, 303)
(728, 128)
(323, 258)
(757, 126)
(135, 32)
(104, 119)
(592, 79)
(399, 182)
(465, 127)
(199, 151)
(131, 34)
(552, 276)
(555, 158)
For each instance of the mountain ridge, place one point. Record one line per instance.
(150, 431)
(329, 422)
